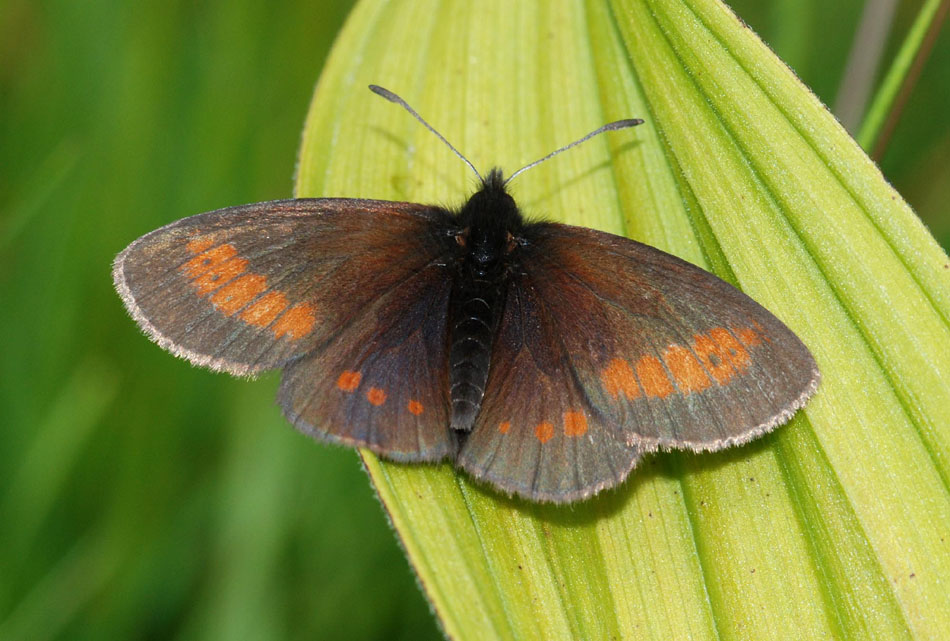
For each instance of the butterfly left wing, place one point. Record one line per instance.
(348, 296)
(609, 348)
(245, 289)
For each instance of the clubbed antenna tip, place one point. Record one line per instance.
(391, 97)
(610, 126)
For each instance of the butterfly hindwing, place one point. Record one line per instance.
(381, 381)
(643, 349)
(245, 289)
(537, 435)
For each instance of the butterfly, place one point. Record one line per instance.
(541, 358)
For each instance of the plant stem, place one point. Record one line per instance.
(888, 104)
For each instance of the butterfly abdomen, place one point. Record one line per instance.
(489, 223)
(476, 303)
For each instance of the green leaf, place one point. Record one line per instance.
(834, 526)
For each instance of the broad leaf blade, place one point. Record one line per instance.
(831, 526)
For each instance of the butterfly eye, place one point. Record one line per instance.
(512, 243)
(462, 237)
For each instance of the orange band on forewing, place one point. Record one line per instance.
(238, 293)
(719, 353)
(748, 336)
(653, 377)
(265, 309)
(714, 357)
(297, 322)
(617, 378)
(687, 373)
(214, 267)
(206, 259)
(219, 269)
(575, 424)
(200, 244)
(737, 354)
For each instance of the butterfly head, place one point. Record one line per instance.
(490, 224)
(490, 221)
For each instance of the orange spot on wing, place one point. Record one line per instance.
(214, 267)
(738, 355)
(575, 424)
(238, 293)
(297, 322)
(653, 377)
(265, 309)
(200, 244)
(415, 407)
(617, 378)
(687, 372)
(544, 432)
(376, 396)
(748, 336)
(714, 356)
(349, 380)
(215, 278)
(504, 426)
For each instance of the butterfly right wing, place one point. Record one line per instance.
(609, 348)
(679, 358)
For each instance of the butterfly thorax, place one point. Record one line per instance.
(490, 227)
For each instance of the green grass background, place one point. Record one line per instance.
(141, 498)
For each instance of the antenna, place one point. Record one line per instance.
(391, 97)
(610, 126)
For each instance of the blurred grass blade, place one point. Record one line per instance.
(74, 413)
(864, 58)
(831, 527)
(50, 176)
(240, 596)
(72, 583)
(888, 102)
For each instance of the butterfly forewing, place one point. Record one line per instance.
(245, 289)
(679, 357)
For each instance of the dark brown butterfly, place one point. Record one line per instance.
(542, 358)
